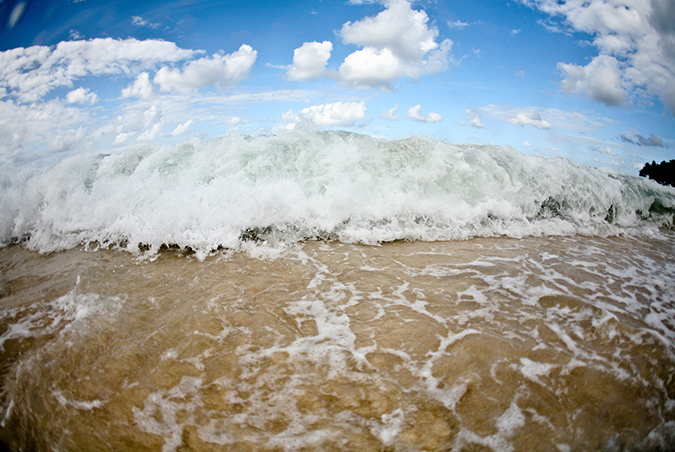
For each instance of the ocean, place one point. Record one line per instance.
(325, 290)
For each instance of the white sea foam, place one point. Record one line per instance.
(299, 184)
(70, 314)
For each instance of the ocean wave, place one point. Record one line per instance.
(209, 194)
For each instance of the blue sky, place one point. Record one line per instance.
(589, 80)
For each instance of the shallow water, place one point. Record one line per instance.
(486, 344)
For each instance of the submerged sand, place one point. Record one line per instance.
(486, 344)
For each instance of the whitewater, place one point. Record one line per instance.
(332, 185)
(328, 291)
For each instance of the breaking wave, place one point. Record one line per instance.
(209, 194)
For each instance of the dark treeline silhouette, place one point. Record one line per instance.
(663, 173)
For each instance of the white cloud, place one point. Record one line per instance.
(397, 42)
(221, 70)
(529, 119)
(140, 22)
(473, 119)
(38, 130)
(310, 60)
(182, 128)
(141, 122)
(390, 115)
(605, 150)
(38, 127)
(635, 40)
(600, 80)
(544, 118)
(122, 138)
(519, 73)
(458, 24)
(151, 133)
(290, 118)
(414, 113)
(152, 122)
(141, 88)
(81, 96)
(335, 114)
(29, 73)
(370, 68)
(152, 116)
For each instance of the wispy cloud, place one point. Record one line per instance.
(544, 118)
(637, 139)
(459, 25)
(140, 22)
(390, 115)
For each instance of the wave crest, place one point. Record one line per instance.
(203, 195)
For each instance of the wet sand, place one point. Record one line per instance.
(487, 344)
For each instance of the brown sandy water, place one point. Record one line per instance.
(559, 344)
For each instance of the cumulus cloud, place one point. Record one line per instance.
(81, 96)
(370, 67)
(390, 115)
(414, 113)
(310, 60)
(220, 70)
(335, 114)
(473, 120)
(343, 114)
(635, 40)
(30, 73)
(397, 42)
(600, 80)
(637, 139)
(141, 87)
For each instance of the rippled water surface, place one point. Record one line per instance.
(488, 344)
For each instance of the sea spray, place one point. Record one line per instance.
(210, 194)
